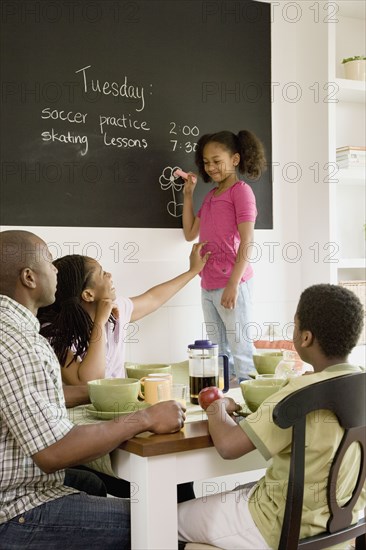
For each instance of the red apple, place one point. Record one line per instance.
(208, 395)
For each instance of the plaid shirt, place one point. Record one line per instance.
(32, 412)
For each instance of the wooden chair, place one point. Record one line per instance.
(345, 396)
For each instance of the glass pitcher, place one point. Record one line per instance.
(204, 368)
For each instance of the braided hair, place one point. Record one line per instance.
(250, 149)
(65, 323)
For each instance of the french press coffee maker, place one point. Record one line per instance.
(204, 368)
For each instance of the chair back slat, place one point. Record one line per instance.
(295, 491)
(341, 517)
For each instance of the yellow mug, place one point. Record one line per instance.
(166, 376)
(155, 389)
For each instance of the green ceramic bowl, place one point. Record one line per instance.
(256, 391)
(113, 394)
(266, 363)
(141, 370)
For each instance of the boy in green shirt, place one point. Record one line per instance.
(328, 323)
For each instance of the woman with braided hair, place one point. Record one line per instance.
(86, 325)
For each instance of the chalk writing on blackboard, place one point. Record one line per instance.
(168, 181)
(91, 86)
(116, 89)
(183, 131)
(100, 116)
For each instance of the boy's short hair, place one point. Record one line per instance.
(334, 315)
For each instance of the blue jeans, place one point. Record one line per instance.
(231, 328)
(73, 522)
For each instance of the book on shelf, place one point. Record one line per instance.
(351, 156)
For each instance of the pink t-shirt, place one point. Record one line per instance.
(115, 340)
(219, 219)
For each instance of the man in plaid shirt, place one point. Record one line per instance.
(37, 440)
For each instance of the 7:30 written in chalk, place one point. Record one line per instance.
(187, 147)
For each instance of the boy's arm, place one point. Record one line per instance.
(229, 439)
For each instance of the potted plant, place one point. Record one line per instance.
(355, 67)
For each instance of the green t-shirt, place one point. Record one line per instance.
(323, 435)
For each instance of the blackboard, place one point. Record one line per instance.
(101, 99)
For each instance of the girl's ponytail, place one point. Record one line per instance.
(252, 156)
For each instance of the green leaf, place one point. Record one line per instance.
(354, 58)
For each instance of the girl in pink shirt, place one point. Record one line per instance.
(226, 222)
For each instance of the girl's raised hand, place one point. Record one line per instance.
(105, 307)
(190, 184)
(196, 260)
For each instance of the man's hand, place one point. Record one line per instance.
(165, 417)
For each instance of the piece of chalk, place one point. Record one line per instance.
(180, 173)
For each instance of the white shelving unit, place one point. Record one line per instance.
(347, 198)
(331, 201)
(347, 127)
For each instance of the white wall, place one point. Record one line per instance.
(149, 256)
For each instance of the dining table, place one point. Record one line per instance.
(155, 464)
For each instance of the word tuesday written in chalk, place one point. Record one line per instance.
(113, 88)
